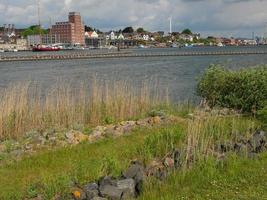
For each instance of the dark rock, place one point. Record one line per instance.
(99, 198)
(128, 188)
(258, 141)
(224, 147)
(135, 171)
(106, 181)
(138, 188)
(241, 149)
(177, 158)
(252, 155)
(111, 192)
(161, 174)
(91, 190)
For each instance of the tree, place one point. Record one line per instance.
(187, 31)
(34, 30)
(128, 30)
(88, 28)
(140, 30)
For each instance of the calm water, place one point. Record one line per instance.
(179, 74)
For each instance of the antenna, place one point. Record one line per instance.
(170, 25)
(38, 9)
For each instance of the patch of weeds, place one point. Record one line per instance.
(155, 113)
(9, 146)
(77, 127)
(158, 145)
(87, 130)
(109, 120)
(32, 191)
(109, 166)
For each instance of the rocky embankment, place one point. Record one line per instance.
(129, 185)
(36, 140)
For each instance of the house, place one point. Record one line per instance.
(91, 34)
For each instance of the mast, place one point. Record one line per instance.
(39, 20)
(38, 10)
(50, 31)
(170, 25)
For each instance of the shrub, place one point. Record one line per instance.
(244, 90)
(262, 115)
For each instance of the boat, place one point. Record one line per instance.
(45, 48)
(2, 50)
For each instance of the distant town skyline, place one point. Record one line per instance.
(237, 18)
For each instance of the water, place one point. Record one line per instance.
(178, 74)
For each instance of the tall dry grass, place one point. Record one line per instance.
(207, 131)
(25, 106)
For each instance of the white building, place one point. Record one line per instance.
(91, 34)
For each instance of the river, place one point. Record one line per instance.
(178, 74)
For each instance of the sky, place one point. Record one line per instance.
(229, 18)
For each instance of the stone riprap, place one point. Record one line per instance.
(36, 140)
(129, 184)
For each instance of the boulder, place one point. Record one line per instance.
(258, 141)
(91, 190)
(154, 120)
(95, 135)
(111, 192)
(157, 170)
(75, 137)
(241, 148)
(107, 180)
(99, 198)
(78, 194)
(168, 162)
(177, 158)
(128, 187)
(223, 147)
(135, 171)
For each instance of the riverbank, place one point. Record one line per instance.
(57, 173)
(122, 143)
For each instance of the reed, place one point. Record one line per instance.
(207, 131)
(25, 106)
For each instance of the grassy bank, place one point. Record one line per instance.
(205, 172)
(53, 172)
(236, 178)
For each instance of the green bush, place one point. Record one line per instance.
(262, 115)
(244, 90)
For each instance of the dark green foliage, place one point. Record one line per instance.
(140, 30)
(187, 31)
(244, 90)
(262, 115)
(128, 30)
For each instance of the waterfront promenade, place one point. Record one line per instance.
(126, 54)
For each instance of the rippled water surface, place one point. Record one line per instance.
(179, 74)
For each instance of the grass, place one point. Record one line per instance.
(25, 106)
(237, 178)
(52, 172)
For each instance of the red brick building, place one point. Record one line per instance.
(71, 32)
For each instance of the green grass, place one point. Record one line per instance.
(236, 179)
(52, 172)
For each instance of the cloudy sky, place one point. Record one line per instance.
(217, 17)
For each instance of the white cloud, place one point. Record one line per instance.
(205, 16)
